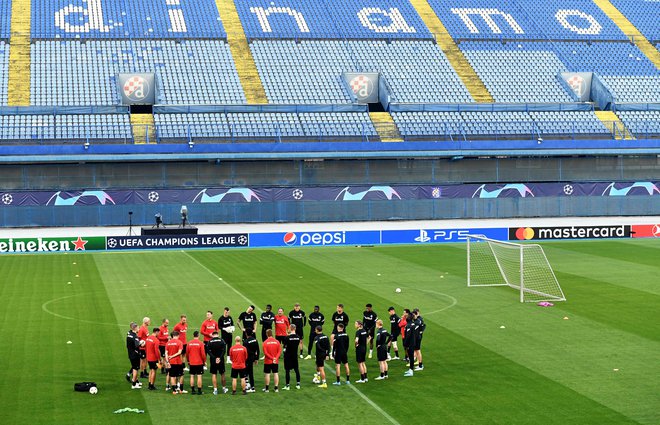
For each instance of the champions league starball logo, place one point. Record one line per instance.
(136, 88)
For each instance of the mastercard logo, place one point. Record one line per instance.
(524, 233)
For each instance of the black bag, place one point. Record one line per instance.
(83, 386)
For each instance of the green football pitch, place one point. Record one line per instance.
(591, 360)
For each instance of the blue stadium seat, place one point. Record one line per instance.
(643, 14)
(641, 123)
(66, 128)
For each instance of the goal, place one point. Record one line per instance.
(523, 267)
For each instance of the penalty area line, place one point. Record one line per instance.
(240, 294)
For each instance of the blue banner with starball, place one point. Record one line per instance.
(123, 19)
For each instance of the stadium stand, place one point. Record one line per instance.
(4, 72)
(191, 71)
(518, 71)
(325, 126)
(641, 123)
(628, 73)
(43, 128)
(643, 14)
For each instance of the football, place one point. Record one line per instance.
(93, 390)
(397, 290)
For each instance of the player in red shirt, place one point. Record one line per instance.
(153, 356)
(208, 327)
(143, 333)
(173, 351)
(281, 326)
(163, 337)
(238, 355)
(196, 359)
(402, 325)
(272, 350)
(182, 328)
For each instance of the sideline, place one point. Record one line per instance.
(357, 391)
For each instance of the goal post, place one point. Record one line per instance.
(523, 267)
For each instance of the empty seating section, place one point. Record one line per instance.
(572, 123)
(310, 71)
(526, 19)
(498, 124)
(63, 128)
(4, 72)
(5, 19)
(264, 125)
(305, 72)
(191, 71)
(336, 19)
(416, 71)
(517, 71)
(643, 14)
(628, 73)
(641, 123)
(117, 19)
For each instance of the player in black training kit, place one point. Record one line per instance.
(322, 352)
(217, 349)
(338, 317)
(361, 339)
(382, 344)
(252, 346)
(409, 342)
(369, 318)
(226, 324)
(299, 318)
(266, 321)
(315, 319)
(133, 347)
(248, 320)
(291, 344)
(394, 332)
(420, 326)
(340, 353)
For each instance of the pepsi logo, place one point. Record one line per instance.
(290, 238)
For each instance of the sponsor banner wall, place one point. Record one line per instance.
(344, 237)
(216, 195)
(439, 235)
(179, 241)
(38, 244)
(646, 231)
(570, 232)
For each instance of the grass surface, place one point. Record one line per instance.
(539, 369)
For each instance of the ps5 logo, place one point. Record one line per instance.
(442, 236)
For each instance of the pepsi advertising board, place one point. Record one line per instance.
(332, 238)
(439, 235)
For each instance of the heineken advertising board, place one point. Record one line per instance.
(21, 245)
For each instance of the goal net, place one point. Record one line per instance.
(523, 267)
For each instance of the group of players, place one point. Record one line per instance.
(169, 351)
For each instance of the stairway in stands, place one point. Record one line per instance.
(456, 58)
(19, 54)
(612, 122)
(385, 126)
(142, 125)
(629, 29)
(240, 50)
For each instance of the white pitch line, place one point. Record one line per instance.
(240, 294)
